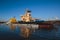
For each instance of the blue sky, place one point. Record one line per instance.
(40, 8)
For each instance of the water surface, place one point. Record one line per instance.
(8, 32)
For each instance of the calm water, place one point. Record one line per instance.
(8, 32)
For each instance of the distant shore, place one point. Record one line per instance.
(38, 22)
(2, 22)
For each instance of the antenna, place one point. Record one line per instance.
(27, 10)
(14, 17)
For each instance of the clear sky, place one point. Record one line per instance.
(40, 8)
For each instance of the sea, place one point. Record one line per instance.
(8, 32)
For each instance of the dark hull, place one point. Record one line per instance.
(41, 25)
(30, 22)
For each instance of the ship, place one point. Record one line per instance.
(28, 19)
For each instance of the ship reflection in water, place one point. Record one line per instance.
(16, 32)
(12, 27)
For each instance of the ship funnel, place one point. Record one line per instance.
(27, 10)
